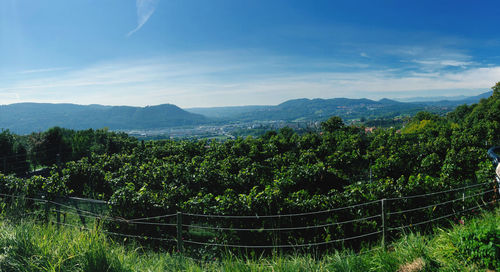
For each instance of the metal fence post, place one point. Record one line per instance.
(179, 232)
(46, 211)
(463, 201)
(382, 206)
(58, 209)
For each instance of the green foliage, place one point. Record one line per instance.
(332, 124)
(13, 154)
(278, 173)
(25, 118)
(480, 242)
(30, 246)
(57, 145)
(496, 89)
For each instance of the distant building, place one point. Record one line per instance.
(369, 129)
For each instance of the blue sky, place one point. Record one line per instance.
(231, 52)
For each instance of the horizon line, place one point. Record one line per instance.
(398, 99)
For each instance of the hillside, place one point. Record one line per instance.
(320, 109)
(312, 109)
(457, 102)
(459, 99)
(27, 117)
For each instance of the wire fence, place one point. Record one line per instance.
(23, 164)
(261, 232)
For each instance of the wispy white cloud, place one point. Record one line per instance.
(145, 8)
(371, 84)
(43, 70)
(435, 60)
(217, 79)
(444, 62)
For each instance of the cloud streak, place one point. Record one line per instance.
(43, 70)
(145, 8)
(214, 80)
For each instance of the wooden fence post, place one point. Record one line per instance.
(179, 232)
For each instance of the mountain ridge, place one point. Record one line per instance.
(31, 117)
(319, 108)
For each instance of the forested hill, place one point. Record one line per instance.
(307, 109)
(28, 117)
(24, 118)
(320, 109)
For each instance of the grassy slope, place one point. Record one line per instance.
(30, 247)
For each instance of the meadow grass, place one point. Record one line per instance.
(26, 245)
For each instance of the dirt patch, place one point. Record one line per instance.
(415, 266)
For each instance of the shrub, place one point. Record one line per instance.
(479, 242)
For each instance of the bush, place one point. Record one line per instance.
(479, 242)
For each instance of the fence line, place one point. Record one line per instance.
(88, 214)
(441, 217)
(116, 233)
(139, 220)
(283, 229)
(440, 192)
(152, 217)
(118, 220)
(441, 203)
(27, 155)
(179, 226)
(135, 220)
(280, 215)
(105, 231)
(27, 160)
(305, 213)
(283, 246)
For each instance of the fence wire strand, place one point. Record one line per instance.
(115, 233)
(440, 192)
(285, 228)
(140, 221)
(441, 203)
(279, 215)
(283, 246)
(441, 217)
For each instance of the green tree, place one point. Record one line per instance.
(13, 155)
(332, 124)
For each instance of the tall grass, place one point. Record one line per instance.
(31, 246)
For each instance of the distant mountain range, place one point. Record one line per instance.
(319, 109)
(28, 117)
(452, 102)
(308, 109)
(443, 98)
